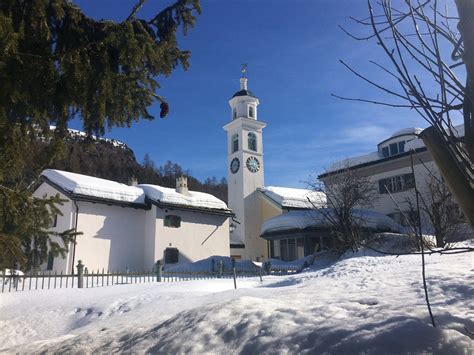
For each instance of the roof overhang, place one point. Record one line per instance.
(93, 199)
(243, 122)
(212, 211)
(370, 163)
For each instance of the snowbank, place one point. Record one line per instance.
(91, 186)
(205, 265)
(358, 305)
(194, 199)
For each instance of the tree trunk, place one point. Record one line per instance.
(466, 28)
(457, 181)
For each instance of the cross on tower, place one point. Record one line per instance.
(244, 69)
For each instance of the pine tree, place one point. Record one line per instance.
(57, 64)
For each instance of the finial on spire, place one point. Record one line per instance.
(244, 69)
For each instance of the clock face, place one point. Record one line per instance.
(253, 164)
(234, 165)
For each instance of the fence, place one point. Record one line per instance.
(13, 281)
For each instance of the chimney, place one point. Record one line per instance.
(182, 185)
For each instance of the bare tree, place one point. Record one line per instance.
(430, 58)
(347, 192)
(438, 204)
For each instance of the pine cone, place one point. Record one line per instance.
(164, 109)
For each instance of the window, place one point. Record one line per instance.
(291, 249)
(393, 148)
(284, 249)
(171, 255)
(251, 113)
(300, 248)
(50, 261)
(252, 142)
(235, 143)
(401, 147)
(234, 113)
(396, 183)
(172, 221)
(54, 221)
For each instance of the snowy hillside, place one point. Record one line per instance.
(360, 304)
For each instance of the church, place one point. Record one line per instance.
(271, 221)
(251, 201)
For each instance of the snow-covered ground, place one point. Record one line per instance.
(360, 304)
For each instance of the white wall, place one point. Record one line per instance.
(113, 237)
(116, 238)
(200, 235)
(64, 222)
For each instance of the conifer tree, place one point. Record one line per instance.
(57, 64)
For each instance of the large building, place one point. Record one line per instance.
(131, 227)
(390, 169)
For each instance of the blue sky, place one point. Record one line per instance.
(292, 48)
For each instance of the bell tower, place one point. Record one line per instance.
(245, 173)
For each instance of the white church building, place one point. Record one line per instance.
(131, 227)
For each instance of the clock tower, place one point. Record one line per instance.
(245, 174)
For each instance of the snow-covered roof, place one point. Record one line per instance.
(361, 159)
(94, 187)
(415, 143)
(294, 198)
(318, 218)
(407, 131)
(84, 185)
(192, 199)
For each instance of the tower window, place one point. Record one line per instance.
(234, 113)
(252, 142)
(235, 143)
(251, 113)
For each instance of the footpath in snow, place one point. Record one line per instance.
(360, 304)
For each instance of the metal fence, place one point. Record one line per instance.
(13, 281)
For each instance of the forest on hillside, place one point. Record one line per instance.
(114, 160)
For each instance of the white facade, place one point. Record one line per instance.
(118, 234)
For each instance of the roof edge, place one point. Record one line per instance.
(370, 163)
(214, 211)
(93, 199)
